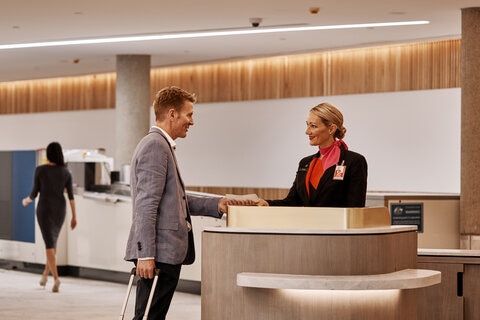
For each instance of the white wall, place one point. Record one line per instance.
(73, 129)
(411, 139)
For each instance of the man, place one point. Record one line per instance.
(161, 233)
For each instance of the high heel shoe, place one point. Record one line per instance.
(56, 285)
(43, 280)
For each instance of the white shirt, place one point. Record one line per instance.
(172, 142)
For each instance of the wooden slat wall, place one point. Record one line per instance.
(58, 94)
(416, 66)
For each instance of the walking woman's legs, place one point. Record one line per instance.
(43, 280)
(52, 265)
(46, 271)
(52, 262)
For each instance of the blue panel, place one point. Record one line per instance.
(23, 218)
(5, 195)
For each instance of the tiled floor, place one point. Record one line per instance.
(21, 297)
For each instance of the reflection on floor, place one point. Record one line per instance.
(21, 297)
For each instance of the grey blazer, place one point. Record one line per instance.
(161, 208)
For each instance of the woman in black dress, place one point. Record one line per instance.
(50, 181)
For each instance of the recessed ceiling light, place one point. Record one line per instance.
(205, 33)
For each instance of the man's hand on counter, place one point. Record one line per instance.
(225, 202)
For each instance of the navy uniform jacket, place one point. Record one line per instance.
(349, 192)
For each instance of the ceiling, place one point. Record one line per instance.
(50, 20)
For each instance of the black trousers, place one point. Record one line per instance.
(166, 285)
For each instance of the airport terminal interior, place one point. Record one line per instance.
(411, 108)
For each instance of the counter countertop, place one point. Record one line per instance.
(112, 197)
(449, 252)
(382, 230)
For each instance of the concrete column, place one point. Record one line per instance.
(470, 129)
(133, 101)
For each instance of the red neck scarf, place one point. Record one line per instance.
(329, 156)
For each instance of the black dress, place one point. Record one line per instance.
(51, 182)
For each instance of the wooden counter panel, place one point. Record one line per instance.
(471, 291)
(224, 255)
(457, 296)
(313, 254)
(441, 301)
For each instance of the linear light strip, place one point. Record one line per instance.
(200, 34)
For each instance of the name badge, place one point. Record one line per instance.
(339, 171)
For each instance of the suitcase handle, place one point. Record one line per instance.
(152, 292)
(133, 273)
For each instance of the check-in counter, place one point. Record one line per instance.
(350, 265)
(99, 241)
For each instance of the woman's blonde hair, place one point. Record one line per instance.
(329, 114)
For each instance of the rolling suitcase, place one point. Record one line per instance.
(129, 288)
